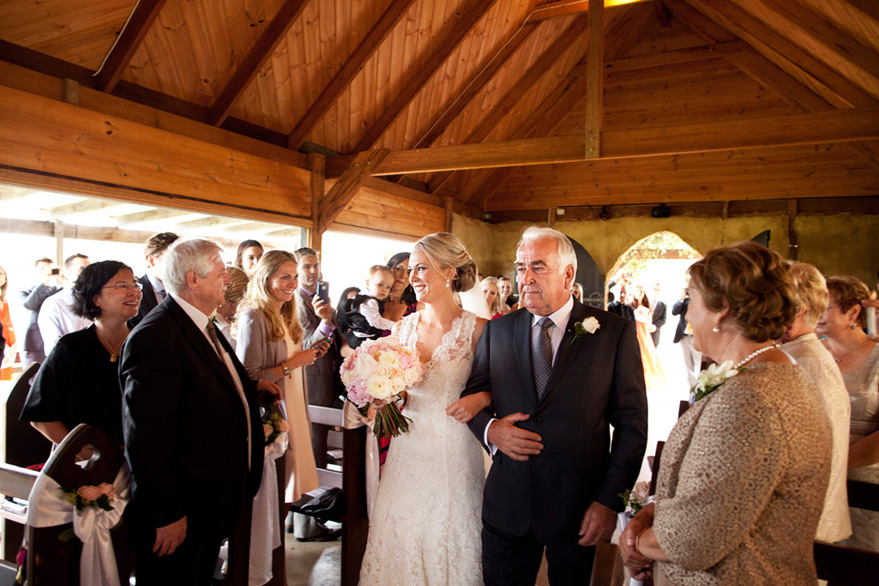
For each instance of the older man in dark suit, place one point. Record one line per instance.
(193, 437)
(560, 373)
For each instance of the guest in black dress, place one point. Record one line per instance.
(79, 382)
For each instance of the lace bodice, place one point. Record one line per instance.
(426, 522)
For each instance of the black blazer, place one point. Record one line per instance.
(680, 308)
(185, 426)
(659, 315)
(147, 302)
(596, 381)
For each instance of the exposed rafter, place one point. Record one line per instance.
(139, 22)
(348, 71)
(148, 216)
(81, 207)
(519, 89)
(453, 32)
(256, 58)
(341, 194)
(595, 81)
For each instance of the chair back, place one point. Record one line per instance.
(86, 457)
(25, 446)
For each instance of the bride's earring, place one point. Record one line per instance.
(715, 329)
(448, 283)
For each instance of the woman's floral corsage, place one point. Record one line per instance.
(274, 426)
(589, 325)
(711, 379)
(91, 496)
(375, 375)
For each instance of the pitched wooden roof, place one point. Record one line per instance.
(492, 102)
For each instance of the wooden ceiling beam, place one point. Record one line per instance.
(830, 84)
(139, 22)
(869, 8)
(149, 216)
(595, 81)
(847, 125)
(566, 8)
(475, 84)
(341, 194)
(453, 32)
(84, 206)
(349, 70)
(256, 58)
(690, 55)
(522, 86)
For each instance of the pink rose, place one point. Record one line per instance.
(89, 493)
(107, 489)
(283, 426)
(267, 429)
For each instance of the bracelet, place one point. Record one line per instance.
(286, 366)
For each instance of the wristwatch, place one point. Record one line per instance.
(286, 368)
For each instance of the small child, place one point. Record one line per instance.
(363, 313)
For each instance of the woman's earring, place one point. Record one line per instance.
(851, 326)
(715, 329)
(448, 283)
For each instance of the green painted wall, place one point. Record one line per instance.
(836, 244)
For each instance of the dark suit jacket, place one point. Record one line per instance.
(596, 381)
(185, 426)
(32, 300)
(659, 314)
(680, 308)
(322, 381)
(147, 303)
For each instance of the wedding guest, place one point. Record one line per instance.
(577, 292)
(744, 471)
(684, 337)
(858, 360)
(505, 287)
(624, 310)
(491, 294)
(193, 438)
(247, 256)
(57, 316)
(364, 315)
(32, 299)
(270, 347)
(153, 286)
(401, 301)
(654, 373)
(79, 382)
(659, 313)
(225, 314)
(803, 346)
(8, 330)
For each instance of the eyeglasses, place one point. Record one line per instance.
(125, 286)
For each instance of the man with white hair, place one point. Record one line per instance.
(193, 437)
(560, 374)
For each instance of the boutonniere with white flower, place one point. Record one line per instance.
(712, 378)
(589, 325)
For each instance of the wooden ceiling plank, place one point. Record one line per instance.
(690, 55)
(139, 22)
(522, 86)
(256, 58)
(851, 124)
(842, 92)
(148, 216)
(869, 8)
(81, 207)
(595, 81)
(341, 194)
(699, 24)
(841, 45)
(567, 8)
(349, 70)
(477, 81)
(454, 31)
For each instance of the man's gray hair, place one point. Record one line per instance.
(567, 256)
(188, 254)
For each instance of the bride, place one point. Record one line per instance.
(426, 522)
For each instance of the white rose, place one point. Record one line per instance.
(379, 387)
(399, 384)
(591, 324)
(411, 376)
(389, 360)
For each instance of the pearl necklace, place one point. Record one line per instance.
(753, 355)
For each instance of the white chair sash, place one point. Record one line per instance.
(265, 525)
(352, 419)
(48, 506)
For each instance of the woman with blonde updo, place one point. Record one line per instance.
(857, 357)
(225, 314)
(491, 294)
(744, 471)
(430, 494)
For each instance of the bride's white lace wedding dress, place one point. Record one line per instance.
(427, 518)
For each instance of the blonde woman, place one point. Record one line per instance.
(270, 347)
(225, 314)
(491, 293)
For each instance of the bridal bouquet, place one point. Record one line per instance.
(375, 375)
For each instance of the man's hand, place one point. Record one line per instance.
(169, 537)
(271, 388)
(323, 309)
(639, 566)
(598, 524)
(514, 441)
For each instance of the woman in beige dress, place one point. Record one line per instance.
(270, 347)
(858, 359)
(744, 471)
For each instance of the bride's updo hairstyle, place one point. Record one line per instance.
(444, 250)
(756, 284)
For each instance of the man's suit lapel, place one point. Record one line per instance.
(522, 343)
(199, 342)
(566, 350)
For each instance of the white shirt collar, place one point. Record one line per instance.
(194, 313)
(559, 317)
(156, 283)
